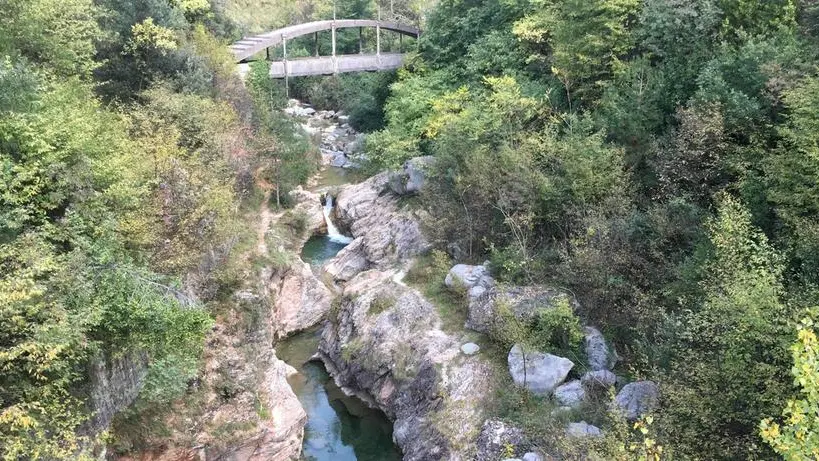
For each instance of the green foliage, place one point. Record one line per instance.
(727, 373)
(586, 39)
(58, 34)
(557, 327)
(798, 437)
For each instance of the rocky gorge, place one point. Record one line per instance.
(383, 341)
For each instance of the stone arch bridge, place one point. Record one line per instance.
(335, 63)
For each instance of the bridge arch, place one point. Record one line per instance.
(249, 46)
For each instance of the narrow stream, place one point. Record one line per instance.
(339, 428)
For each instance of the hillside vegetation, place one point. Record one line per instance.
(659, 159)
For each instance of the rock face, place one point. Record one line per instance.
(474, 279)
(495, 437)
(308, 205)
(384, 234)
(541, 374)
(301, 300)
(115, 383)
(597, 351)
(385, 345)
(410, 179)
(637, 398)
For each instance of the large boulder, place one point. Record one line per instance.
(599, 380)
(349, 262)
(597, 351)
(385, 344)
(637, 398)
(571, 394)
(308, 210)
(495, 439)
(410, 179)
(470, 278)
(540, 373)
(301, 300)
(524, 301)
(385, 233)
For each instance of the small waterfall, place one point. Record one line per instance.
(332, 231)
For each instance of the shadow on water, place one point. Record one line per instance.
(339, 428)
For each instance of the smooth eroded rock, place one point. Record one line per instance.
(301, 300)
(467, 276)
(599, 379)
(470, 348)
(541, 374)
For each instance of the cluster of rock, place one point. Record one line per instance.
(339, 143)
(543, 373)
(385, 345)
(385, 234)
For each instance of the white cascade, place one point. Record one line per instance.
(332, 231)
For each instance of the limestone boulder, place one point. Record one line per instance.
(301, 300)
(583, 429)
(571, 394)
(540, 373)
(412, 176)
(637, 398)
(598, 380)
(524, 301)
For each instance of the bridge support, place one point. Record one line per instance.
(335, 59)
(378, 43)
(286, 74)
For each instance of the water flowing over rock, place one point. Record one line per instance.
(301, 300)
(540, 373)
(385, 345)
(384, 233)
(637, 398)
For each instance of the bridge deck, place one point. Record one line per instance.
(327, 65)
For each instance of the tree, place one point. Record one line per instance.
(797, 438)
(586, 38)
(729, 367)
(791, 174)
